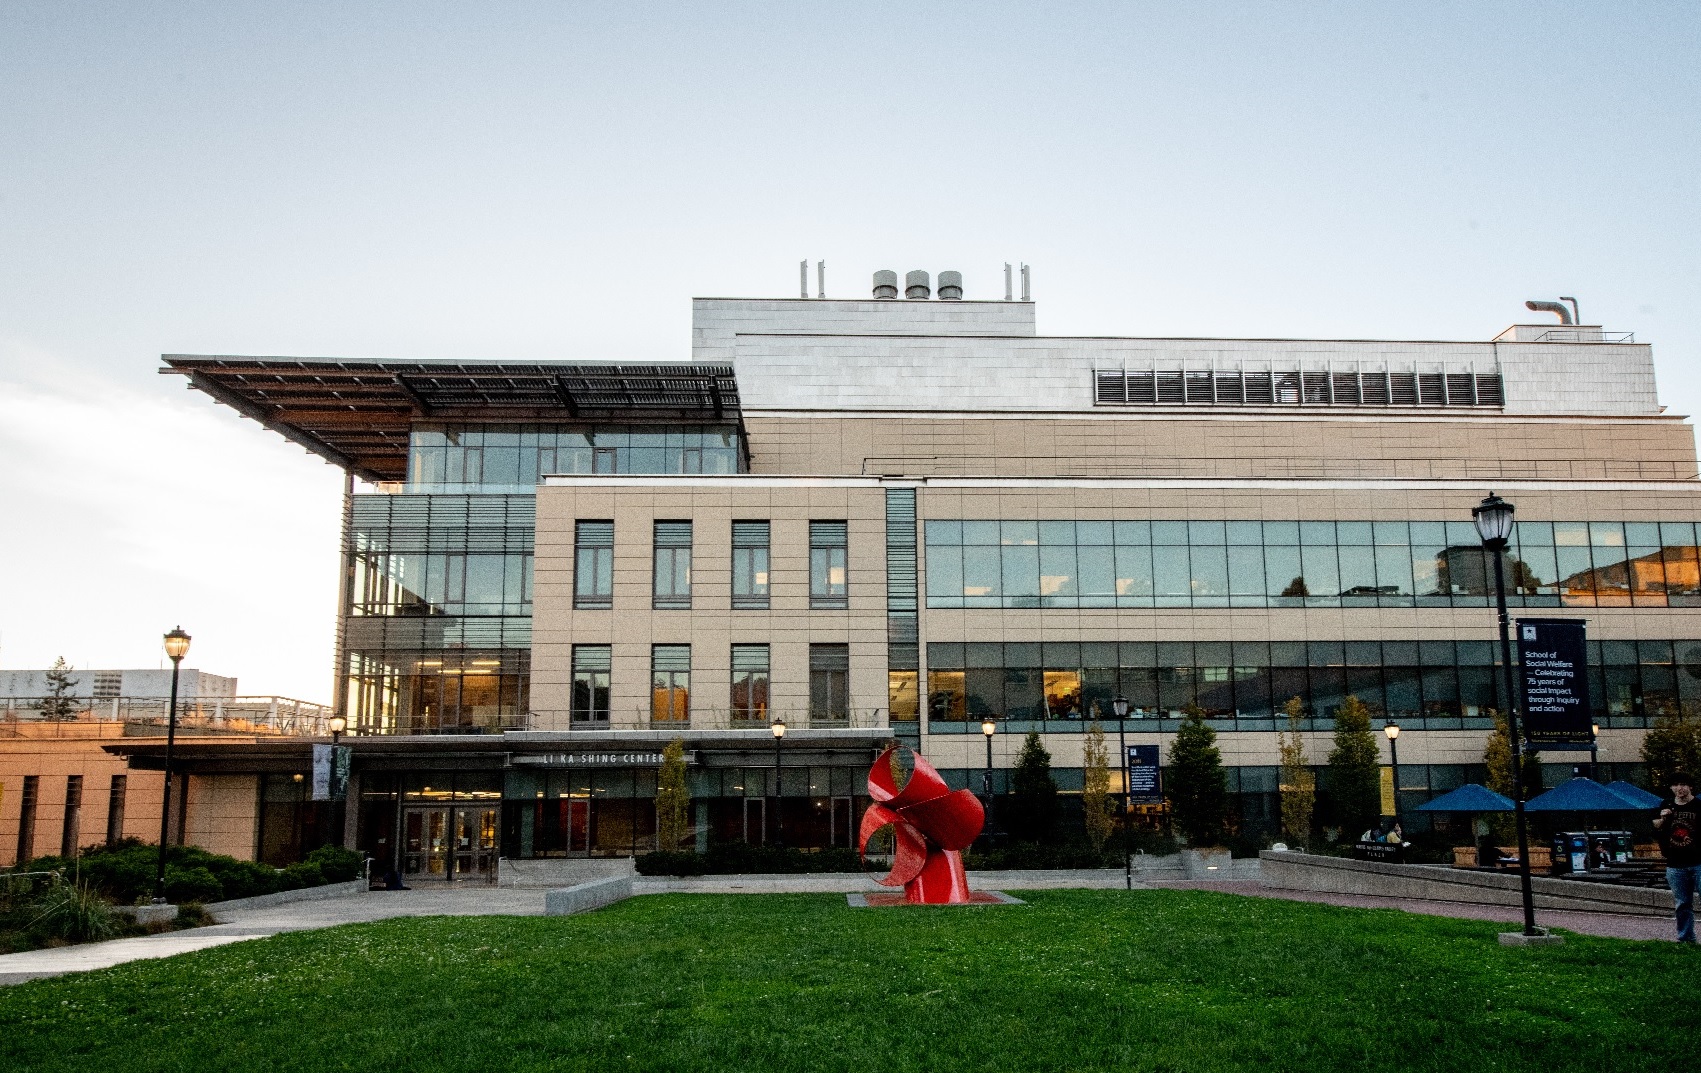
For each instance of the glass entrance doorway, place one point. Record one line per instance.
(450, 842)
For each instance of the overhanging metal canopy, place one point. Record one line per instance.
(357, 414)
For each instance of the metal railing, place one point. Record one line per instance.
(1579, 334)
(280, 716)
(795, 719)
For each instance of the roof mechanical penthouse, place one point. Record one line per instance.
(901, 514)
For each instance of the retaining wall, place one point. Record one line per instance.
(1438, 883)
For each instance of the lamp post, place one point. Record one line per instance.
(987, 729)
(338, 724)
(176, 647)
(1119, 707)
(778, 726)
(1594, 751)
(1392, 729)
(1493, 517)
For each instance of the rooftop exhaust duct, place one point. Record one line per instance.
(885, 283)
(916, 284)
(950, 286)
(1560, 308)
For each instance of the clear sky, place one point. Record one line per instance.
(556, 180)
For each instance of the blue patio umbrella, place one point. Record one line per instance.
(1471, 797)
(1638, 797)
(1581, 795)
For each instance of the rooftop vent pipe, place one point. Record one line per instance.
(885, 283)
(1560, 308)
(951, 286)
(916, 284)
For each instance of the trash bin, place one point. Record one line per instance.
(1619, 845)
(1570, 852)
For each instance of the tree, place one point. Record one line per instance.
(1497, 757)
(1196, 784)
(60, 705)
(1035, 793)
(1095, 786)
(673, 800)
(1355, 770)
(1299, 782)
(1673, 745)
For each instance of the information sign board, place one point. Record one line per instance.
(1553, 655)
(1145, 776)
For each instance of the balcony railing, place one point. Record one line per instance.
(275, 716)
(800, 719)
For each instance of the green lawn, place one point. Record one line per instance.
(1076, 980)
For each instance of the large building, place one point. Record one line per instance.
(899, 516)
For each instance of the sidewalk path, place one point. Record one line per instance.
(274, 920)
(1609, 925)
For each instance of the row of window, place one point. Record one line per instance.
(1273, 564)
(71, 823)
(517, 456)
(747, 702)
(1441, 683)
(1294, 387)
(593, 565)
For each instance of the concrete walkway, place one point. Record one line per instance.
(274, 920)
(499, 901)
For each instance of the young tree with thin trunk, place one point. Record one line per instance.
(1355, 771)
(1299, 782)
(1497, 757)
(1196, 785)
(1095, 786)
(60, 704)
(673, 799)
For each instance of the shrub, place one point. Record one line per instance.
(73, 912)
(739, 858)
(242, 879)
(670, 864)
(338, 865)
(301, 874)
(195, 884)
(1034, 855)
(193, 915)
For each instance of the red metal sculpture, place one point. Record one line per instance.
(931, 825)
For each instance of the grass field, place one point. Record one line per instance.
(1076, 980)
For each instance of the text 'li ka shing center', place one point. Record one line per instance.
(895, 517)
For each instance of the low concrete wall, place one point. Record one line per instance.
(220, 911)
(1437, 883)
(561, 871)
(584, 897)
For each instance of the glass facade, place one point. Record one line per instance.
(514, 457)
(437, 633)
(1438, 685)
(1083, 564)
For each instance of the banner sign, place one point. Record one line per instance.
(600, 759)
(1554, 656)
(1144, 776)
(330, 772)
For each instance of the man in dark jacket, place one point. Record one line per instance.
(1678, 828)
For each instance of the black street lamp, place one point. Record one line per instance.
(176, 647)
(987, 729)
(338, 725)
(1119, 707)
(1392, 729)
(778, 726)
(1594, 750)
(1493, 518)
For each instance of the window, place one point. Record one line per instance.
(115, 809)
(827, 551)
(72, 830)
(108, 684)
(593, 565)
(829, 684)
(26, 818)
(673, 566)
(670, 683)
(750, 565)
(590, 683)
(750, 683)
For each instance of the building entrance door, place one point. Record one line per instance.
(449, 842)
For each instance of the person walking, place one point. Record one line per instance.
(1678, 827)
